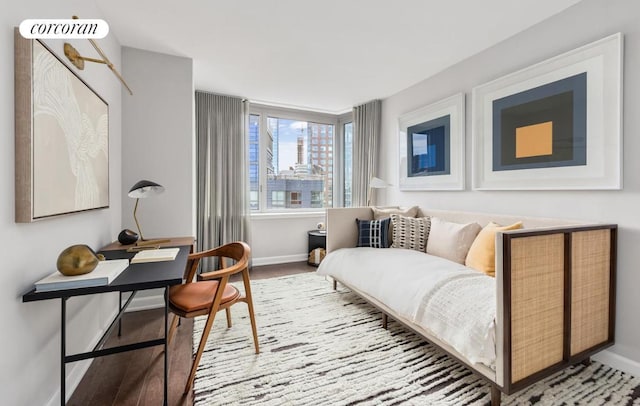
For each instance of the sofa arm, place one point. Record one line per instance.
(556, 299)
(341, 226)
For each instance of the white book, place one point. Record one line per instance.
(157, 255)
(104, 274)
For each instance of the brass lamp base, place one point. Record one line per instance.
(147, 245)
(144, 243)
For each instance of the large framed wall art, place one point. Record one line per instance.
(61, 137)
(554, 125)
(432, 146)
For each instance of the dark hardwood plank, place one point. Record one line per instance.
(104, 377)
(136, 378)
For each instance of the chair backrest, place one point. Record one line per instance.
(238, 251)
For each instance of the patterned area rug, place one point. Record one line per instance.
(322, 347)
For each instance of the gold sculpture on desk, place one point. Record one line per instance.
(78, 260)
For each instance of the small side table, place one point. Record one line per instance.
(316, 239)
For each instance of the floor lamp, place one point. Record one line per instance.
(141, 190)
(375, 183)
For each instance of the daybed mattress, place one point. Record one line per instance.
(454, 303)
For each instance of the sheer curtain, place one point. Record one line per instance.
(222, 170)
(366, 138)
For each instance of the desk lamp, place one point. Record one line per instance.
(141, 190)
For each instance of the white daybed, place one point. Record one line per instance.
(551, 304)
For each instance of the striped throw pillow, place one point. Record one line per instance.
(373, 233)
(409, 232)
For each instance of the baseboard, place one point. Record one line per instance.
(618, 362)
(76, 371)
(146, 303)
(282, 259)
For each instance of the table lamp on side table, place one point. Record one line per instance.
(141, 190)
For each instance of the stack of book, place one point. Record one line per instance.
(104, 274)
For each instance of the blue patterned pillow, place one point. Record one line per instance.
(373, 233)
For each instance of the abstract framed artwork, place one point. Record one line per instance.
(432, 146)
(61, 137)
(554, 125)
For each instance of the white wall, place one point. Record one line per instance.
(30, 338)
(158, 141)
(280, 238)
(158, 144)
(585, 22)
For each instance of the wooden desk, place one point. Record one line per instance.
(136, 277)
(174, 242)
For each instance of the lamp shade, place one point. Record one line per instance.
(377, 183)
(145, 188)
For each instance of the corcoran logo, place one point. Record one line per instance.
(64, 28)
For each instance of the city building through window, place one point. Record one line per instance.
(291, 162)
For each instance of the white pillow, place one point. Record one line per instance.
(451, 240)
(380, 213)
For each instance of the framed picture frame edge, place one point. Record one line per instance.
(23, 128)
(455, 104)
(24, 131)
(545, 68)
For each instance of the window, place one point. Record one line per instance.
(277, 198)
(254, 161)
(316, 199)
(253, 199)
(348, 163)
(295, 164)
(294, 199)
(298, 159)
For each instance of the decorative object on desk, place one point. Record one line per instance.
(431, 143)
(78, 260)
(78, 60)
(127, 237)
(61, 137)
(105, 272)
(375, 183)
(141, 190)
(156, 255)
(554, 125)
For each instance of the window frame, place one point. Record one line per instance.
(265, 111)
(338, 159)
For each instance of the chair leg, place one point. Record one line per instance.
(205, 333)
(228, 311)
(252, 316)
(172, 329)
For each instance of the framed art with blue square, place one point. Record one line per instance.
(431, 141)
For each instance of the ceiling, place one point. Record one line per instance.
(322, 55)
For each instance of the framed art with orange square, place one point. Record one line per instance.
(554, 125)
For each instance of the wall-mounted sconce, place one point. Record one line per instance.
(78, 60)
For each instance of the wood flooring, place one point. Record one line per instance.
(136, 377)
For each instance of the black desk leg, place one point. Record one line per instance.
(63, 351)
(119, 311)
(166, 346)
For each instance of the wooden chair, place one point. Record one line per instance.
(211, 293)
